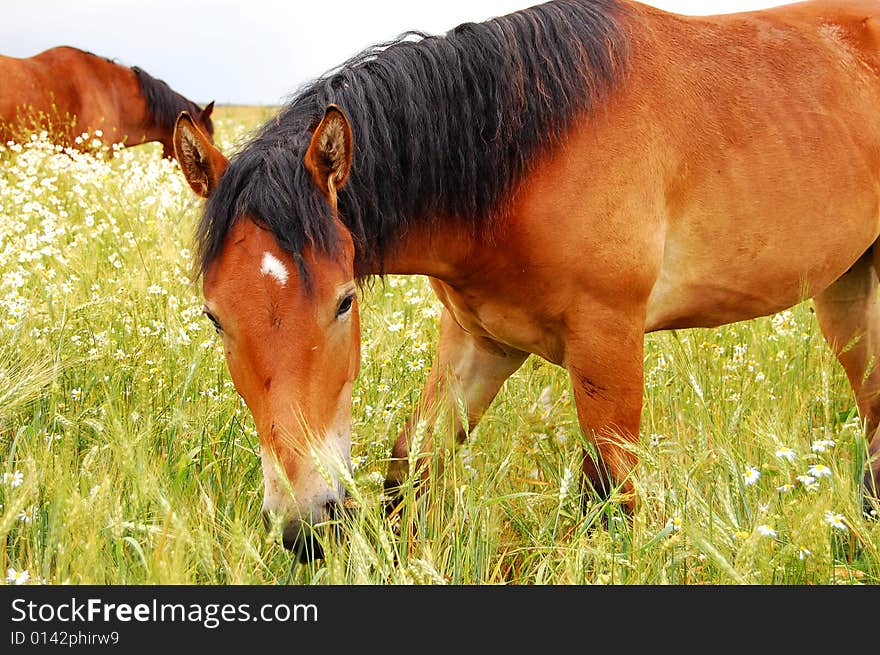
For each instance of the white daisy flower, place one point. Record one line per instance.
(835, 521)
(821, 445)
(766, 531)
(786, 453)
(17, 577)
(809, 482)
(13, 479)
(751, 476)
(820, 471)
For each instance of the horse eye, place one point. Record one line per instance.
(345, 305)
(213, 320)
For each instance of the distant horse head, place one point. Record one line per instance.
(290, 329)
(163, 106)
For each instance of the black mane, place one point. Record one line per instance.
(163, 103)
(444, 126)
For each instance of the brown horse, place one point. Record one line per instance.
(73, 91)
(570, 177)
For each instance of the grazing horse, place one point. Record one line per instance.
(569, 177)
(76, 91)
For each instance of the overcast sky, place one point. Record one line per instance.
(250, 51)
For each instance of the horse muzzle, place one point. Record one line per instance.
(299, 536)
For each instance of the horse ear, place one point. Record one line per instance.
(207, 110)
(330, 152)
(202, 164)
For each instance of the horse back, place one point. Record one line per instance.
(71, 90)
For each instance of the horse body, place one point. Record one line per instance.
(688, 221)
(701, 206)
(76, 91)
(732, 171)
(736, 178)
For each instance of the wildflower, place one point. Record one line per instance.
(808, 481)
(545, 399)
(740, 534)
(28, 515)
(13, 479)
(76, 394)
(751, 476)
(835, 521)
(786, 453)
(819, 471)
(821, 445)
(766, 531)
(674, 523)
(804, 553)
(561, 435)
(377, 478)
(565, 484)
(784, 488)
(17, 577)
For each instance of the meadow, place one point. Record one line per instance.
(127, 457)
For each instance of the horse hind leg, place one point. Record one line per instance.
(849, 316)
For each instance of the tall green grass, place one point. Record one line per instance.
(127, 457)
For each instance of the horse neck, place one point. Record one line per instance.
(443, 249)
(137, 120)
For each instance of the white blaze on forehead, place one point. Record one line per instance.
(273, 267)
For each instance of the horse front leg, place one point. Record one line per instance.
(604, 358)
(849, 315)
(466, 369)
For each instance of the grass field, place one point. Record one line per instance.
(127, 457)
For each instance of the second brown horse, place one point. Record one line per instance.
(72, 91)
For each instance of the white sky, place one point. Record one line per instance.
(251, 51)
